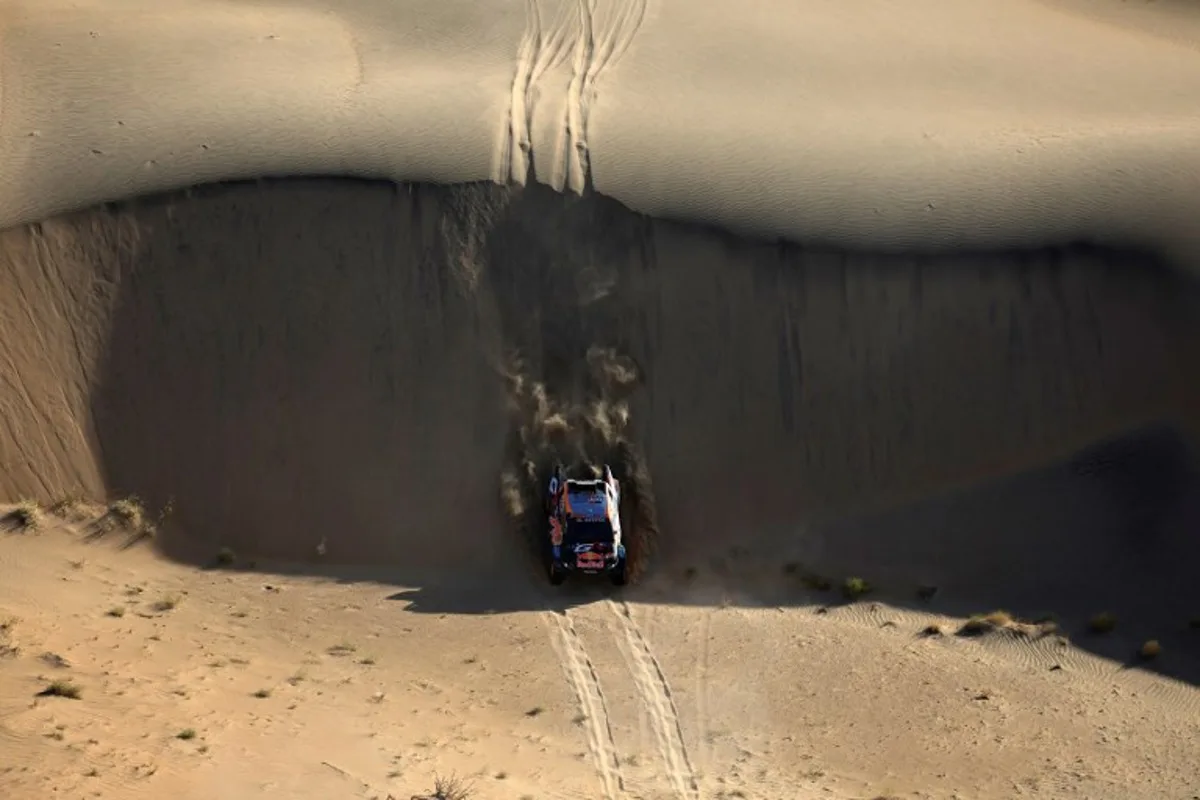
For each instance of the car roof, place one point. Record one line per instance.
(588, 499)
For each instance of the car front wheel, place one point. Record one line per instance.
(617, 576)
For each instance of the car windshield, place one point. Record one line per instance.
(580, 531)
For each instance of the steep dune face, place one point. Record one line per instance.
(300, 361)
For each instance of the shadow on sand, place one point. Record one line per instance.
(314, 362)
(1111, 531)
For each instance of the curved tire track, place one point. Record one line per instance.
(596, 34)
(514, 149)
(653, 696)
(659, 701)
(582, 675)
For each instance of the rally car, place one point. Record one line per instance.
(584, 521)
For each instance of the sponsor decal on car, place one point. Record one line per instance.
(589, 561)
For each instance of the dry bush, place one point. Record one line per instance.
(451, 788)
(165, 603)
(980, 624)
(129, 515)
(25, 516)
(128, 512)
(61, 688)
(8, 648)
(72, 508)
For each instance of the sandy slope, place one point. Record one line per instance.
(605, 699)
(319, 359)
(310, 370)
(918, 124)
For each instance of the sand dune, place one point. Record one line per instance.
(967, 364)
(915, 126)
(236, 350)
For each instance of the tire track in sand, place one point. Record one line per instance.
(603, 39)
(582, 675)
(595, 34)
(658, 700)
(701, 675)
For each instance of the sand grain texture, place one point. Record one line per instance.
(902, 293)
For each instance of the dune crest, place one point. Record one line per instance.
(929, 126)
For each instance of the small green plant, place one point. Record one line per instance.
(854, 588)
(186, 734)
(116, 611)
(1102, 623)
(341, 649)
(61, 689)
(1150, 650)
(931, 630)
(262, 693)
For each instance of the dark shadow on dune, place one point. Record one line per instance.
(294, 373)
(320, 372)
(1112, 531)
